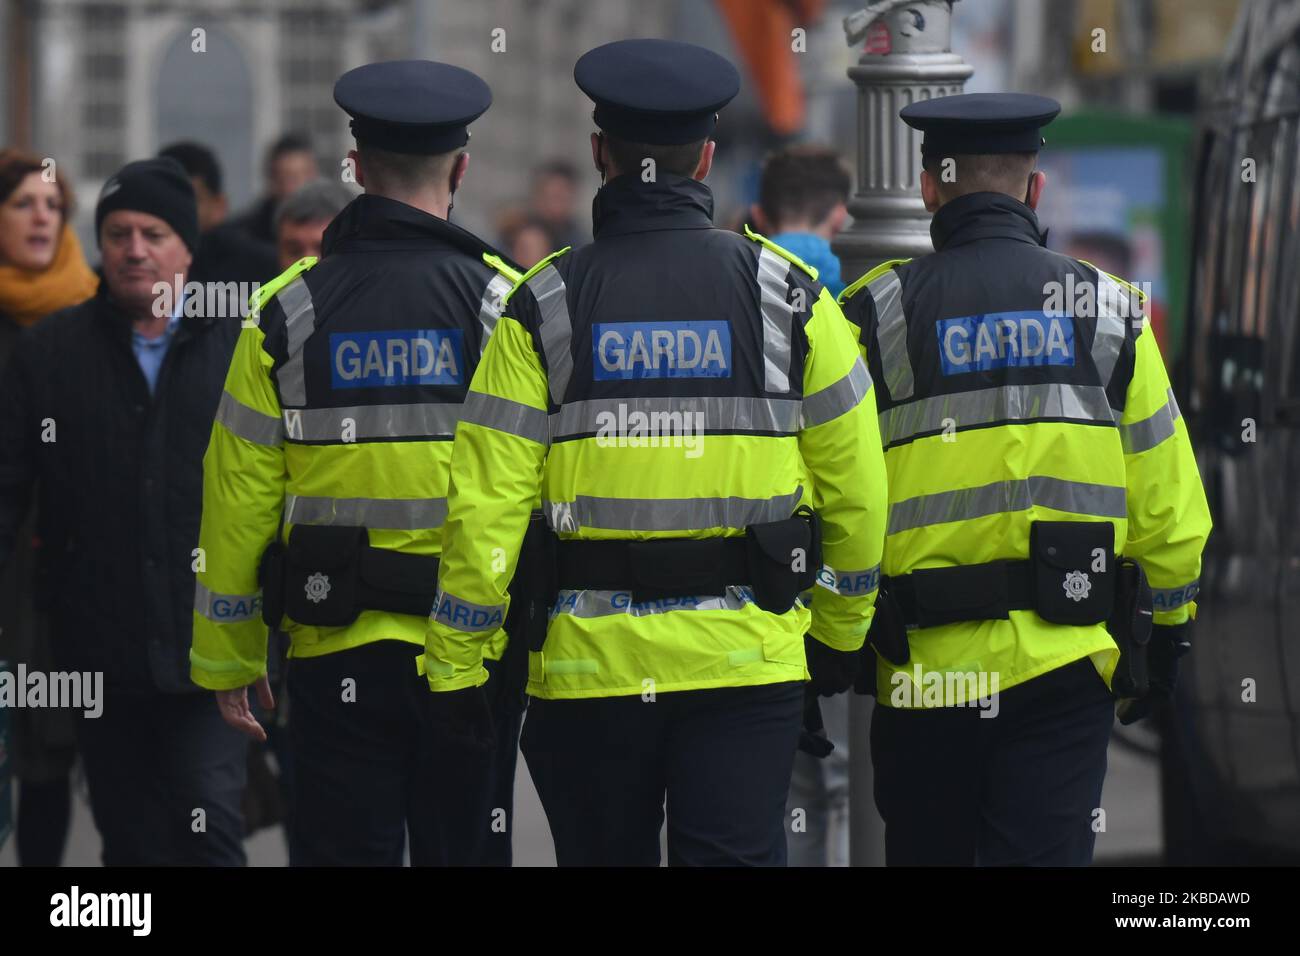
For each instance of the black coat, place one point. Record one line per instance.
(120, 485)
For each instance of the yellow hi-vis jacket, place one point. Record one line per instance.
(993, 419)
(339, 408)
(555, 398)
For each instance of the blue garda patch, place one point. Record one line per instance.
(399, 357)
(635, 350)
(977, 343)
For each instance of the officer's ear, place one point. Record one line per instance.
(1037, 183)
(355, 162)
(459, 166)
(930, 191)
(706, 161)
(596, 159)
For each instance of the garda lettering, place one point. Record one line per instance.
(977, 343)
(229, 610)
(634, 350)
(401, 357)
(466, 618)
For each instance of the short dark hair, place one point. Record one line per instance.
(389, 172)
(680, 160)
(802, 183)
(199, 162)
(560, 168)
(288, 143)
(983, 172)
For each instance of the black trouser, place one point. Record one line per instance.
(370, 772)
(723, 757)
(153, 761)
(1021, 788)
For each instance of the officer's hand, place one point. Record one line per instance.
(833, 672)
(463, 718)
(233, 705)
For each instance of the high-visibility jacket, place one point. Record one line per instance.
(603, 366)
(339, 409)
(1016, 385)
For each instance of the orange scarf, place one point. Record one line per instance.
(26, 296)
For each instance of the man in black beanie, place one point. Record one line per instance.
(105, 412)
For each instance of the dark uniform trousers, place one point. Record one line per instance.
(152, 762)
(373, 771)
(723, 758)
(1018, 789)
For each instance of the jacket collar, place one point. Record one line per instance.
(627, 205)
(984, 216)
(377, 222)
(121, 325)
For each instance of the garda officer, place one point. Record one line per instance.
(330, 455)
(1035, 453)
(660, 387)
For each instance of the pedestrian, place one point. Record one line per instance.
(1037, 465)
(664, 389)
(325, 494)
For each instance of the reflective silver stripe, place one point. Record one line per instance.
(370, 422)
(1109, 337)
(399, 514)
(833, 401)
(1149, 432)
(489, 309)
(849, 583)
(1169, 599)
(513, 418)
(767, 415)
(668, 514)
(1019, 403)
(587, 604)
(226, 608)
(1000, 497)
(249, 423)
(466, 615)
(299, 323)
(891, 335)
(778, 319)
(556, 329)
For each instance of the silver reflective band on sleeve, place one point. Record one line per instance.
(1111, 323)
(248, 423)
(504, 415)
(668, 514)
(299, 322)
(833, 401)
(372, 422)
(226, 608)
(1008, 403)
(778, 319)
(489, 310)
(394, 514)
(587, 604)
(556, 329)
(466, 615)
(1146, 434)
(891, 335)
(739, 415)
(1003, 497)
(849, 583)
(1170, 599)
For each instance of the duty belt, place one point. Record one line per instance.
(971, 592)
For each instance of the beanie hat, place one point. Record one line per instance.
(160, 187)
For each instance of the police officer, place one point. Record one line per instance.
(1037, 462)
(661, 388)
(328, 466)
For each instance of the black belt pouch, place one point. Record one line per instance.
(784, 558)
(1073, 570)
(270, 576)
(1130, 626)
(322, 579)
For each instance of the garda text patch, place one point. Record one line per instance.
(399, 357)
(977, 343)
(633, 350)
